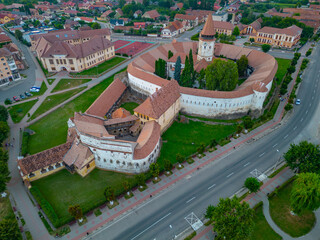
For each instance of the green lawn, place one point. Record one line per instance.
(66, 83)
(17, 112)
(63, 189)
(51, 130)
(101, 67)
(283, 64)
(42, 90)
(185, 138)
(51, 80)
(262, 229)
(129, 106)
(295, 226)
(54, 100)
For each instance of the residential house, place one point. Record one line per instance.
(116, 22)
(119, 13)
(5, 18)
(220, 16)
(137, 13)
(252, 28)
(174, 28)
(277, 37)
(223, 27)
(105, 15)
(153, 14)
(8, 69)
(138, 25)
(191, 20)
(71, 24)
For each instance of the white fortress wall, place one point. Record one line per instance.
(141, 85)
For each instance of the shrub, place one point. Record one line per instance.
(7, 101)
(291, 69)
(308, 53)
(46, 206)
(247, 122)
(265, 47)
(288, 107)
(297, 55)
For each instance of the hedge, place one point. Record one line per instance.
(46, 206)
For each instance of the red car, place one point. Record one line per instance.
(16, 99)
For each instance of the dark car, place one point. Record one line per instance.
(28, 94)
(22, 96)
(16, 99)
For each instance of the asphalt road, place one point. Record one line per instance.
(163, 216)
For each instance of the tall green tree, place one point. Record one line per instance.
(4, 131)
(170, 54)
(242, 64)
(155, 170)
(232, 219)
(3, 113)
(252, 184)
(218, 78)
(75, 211)
(18, 34)
(9, 230)
(109, 194)
(304, 157)
(236, 31)
(167, 165)
(4, 176)
(141, 179)
(265, 47)
(177, 69)
(305, 194)
(95, 25)
(161, 68)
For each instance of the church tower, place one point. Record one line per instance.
(206, 41)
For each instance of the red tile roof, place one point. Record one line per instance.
(160, 101)
(290, 31)
(77, 154)
(107, 99)
(208, 29)
(43, 159)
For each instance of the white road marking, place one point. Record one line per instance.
(301, 119)
(211, 186)
(230, 174)
(151, 226)
(246, 164)
(190, 200)
(295, 128)
(312, 97)
(285, 136)
(309, 104)
(261, 154)
(306, 111)
(170, 226)
(275, 145)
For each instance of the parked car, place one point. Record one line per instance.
(22, 96)
(34, 89)
(16, 99)
(28, 94)
(298, 101)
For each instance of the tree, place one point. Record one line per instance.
(4, 131)
(236, 31)
(242, 64)
(126, 186)
(217, 78)
(95, 25)
(232, 219)
(3, 113)
(213, 143)
(305, 193)
(75, 211)
(109, 194)
(140, 180)
(155, 170)
(251, 40)
(121, 3)
(160, 68)
(180, 159)
(252, 184)
(304, 157)
(247, 122)
(265, 47)
(167, 165)
(201, 148)
(291, 69)
(177, 69)
(4, 176)
(170, 54)
(9, 230)
(18, 34)
(209, 212)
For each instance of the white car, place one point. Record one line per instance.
(298, 101)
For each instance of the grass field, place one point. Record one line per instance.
(51, 80)
(17, 112)
(129, 106)
(185, 138)
(54, 124)
(101, 67)
(283, 64)
(87, 192)
(295, 226)
(66, 83)
(262, 229)
(54, 100)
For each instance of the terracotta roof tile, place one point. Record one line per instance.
(120, 113)
(107, 99)
(43, 159)
(77, 154)
(208, 29)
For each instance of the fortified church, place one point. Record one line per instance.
(110, 138)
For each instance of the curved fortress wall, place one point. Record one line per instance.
(248, 96)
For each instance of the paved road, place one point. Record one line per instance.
(163, 217)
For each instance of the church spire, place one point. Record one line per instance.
(208, 29)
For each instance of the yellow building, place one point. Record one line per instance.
(277, 37)
(162, 106)
(8, 68)
(5, 18)
(43, 163)
(223, 27)
(73, 51)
